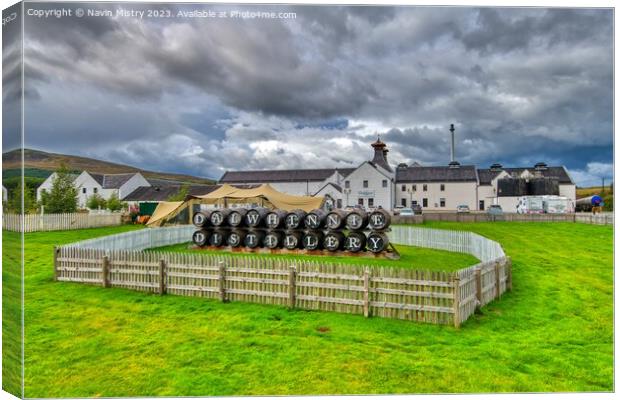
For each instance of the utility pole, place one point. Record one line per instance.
(603, 186)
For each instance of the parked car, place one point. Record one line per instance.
(417, 209)
(396, 210)
(406, 212)
(495, 209)
(462, 209)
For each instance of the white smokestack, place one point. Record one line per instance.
(452, 145)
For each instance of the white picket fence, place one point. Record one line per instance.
(606, 218)
(458, 241)
(58, 222)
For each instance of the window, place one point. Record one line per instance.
(94, 190)
(365, 184)
(347, 184)
(425, 202)
(339, 203)
(481, 204)
(384, 183)
(442, 202)
(414, 187)
(403, 188)
(403, 202)
(424, 188)
(360, 202)
(371, 202)
(414, 202)
(84, 190)
(442, 187)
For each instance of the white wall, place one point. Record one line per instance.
(87, 186)
(46, 185)
(454, 193)
(382, 196)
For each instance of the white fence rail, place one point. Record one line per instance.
(57, 222)
(458, 241)
(606, 218)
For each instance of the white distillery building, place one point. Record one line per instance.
(105, 185)
(375, 183)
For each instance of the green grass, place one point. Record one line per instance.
(554, 332)
(410, 257)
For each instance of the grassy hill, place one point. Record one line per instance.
(40, 164)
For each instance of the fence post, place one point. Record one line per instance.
(456, 282)
(478, 286)
(222, 280)
(508, 273)
(56, 251)
(162, 276)
(105, 273)
(366, 292)
(291, 286)
(498, 291)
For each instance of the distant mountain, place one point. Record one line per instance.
(41, 164)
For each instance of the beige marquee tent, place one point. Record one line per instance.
(226, 195)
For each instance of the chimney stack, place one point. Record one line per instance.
(452, 144)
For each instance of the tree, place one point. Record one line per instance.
(63, 197)
(14, 202)
(113, 203)
(95, 202)
(181, 194)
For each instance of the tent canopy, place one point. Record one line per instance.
(263, 194)
(163, 210)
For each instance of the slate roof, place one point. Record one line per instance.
(163, 193)
(112, 181)
(559, 173)
(465, 173)
(485, 176)
(285, 175)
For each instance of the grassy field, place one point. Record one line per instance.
(410, 257)
(554, 332)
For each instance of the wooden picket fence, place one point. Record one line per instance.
(427, 296)
(58, 222)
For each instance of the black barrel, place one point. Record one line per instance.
(379, 220)
(356, 220)
(201, 237)
(255, 217)
(377, 242)
(235, 238)
(336, 219)
(237, 216)
(333, 241)
(295, 219)
(273, 240)
(217, 238)
(218, 217)
(275, 219)
(253, 239)
(355, 242)
(315, 219)
(201, 219)
(293, 240)
(312, 240)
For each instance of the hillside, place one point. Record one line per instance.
(41, 164)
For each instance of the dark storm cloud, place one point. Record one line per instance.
(520, 84)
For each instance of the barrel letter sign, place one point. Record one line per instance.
(352, 231)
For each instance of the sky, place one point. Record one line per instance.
(204, 95)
